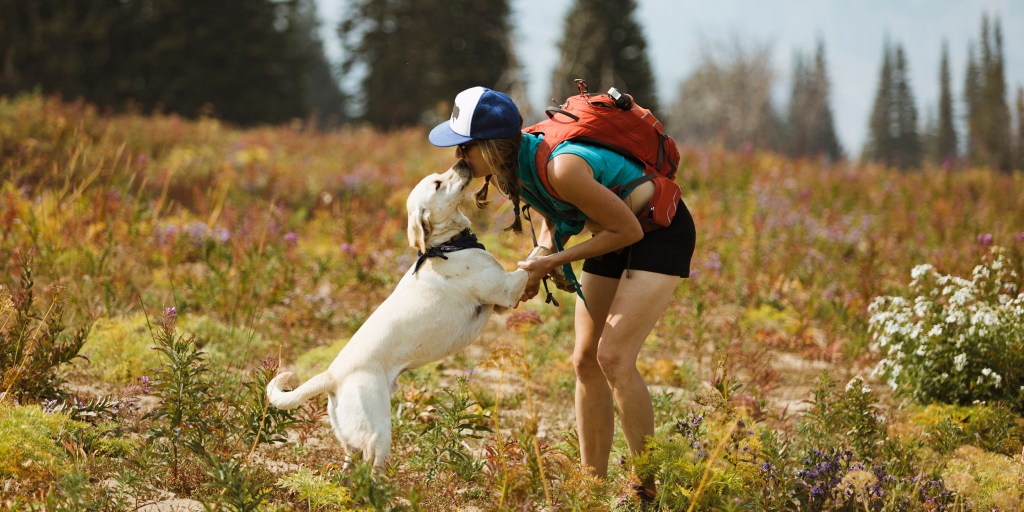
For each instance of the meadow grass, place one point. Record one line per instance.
(273, 244)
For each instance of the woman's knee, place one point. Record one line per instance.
(615, 366)
(586, 365)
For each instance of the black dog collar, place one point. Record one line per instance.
(464, 240)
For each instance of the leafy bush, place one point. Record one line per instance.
(30, 440)
(318, 492)
(955, 340)
(34, 341)
(990, 481)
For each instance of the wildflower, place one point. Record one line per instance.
(856, 382)
(920, 270)
(197, 231)
(521, 321)
(170, 316)
(960, 361)
(714, 262)
(291, 239)
(1020, 236)
(348, 248)
(49, 406)
(985, 239)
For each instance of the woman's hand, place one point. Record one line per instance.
(538, 264)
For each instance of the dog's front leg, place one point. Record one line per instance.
(509, 288)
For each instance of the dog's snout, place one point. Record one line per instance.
(462, 169)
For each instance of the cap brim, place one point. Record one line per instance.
(442, 135)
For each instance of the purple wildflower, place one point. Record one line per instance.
(170, 316)
(49, 406)
(197, 231)
(985, 239)
(714, 262)
(291, 239)
(1020, 236)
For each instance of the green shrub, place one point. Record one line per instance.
(318, 492)
(34, 342)
(991, 481)
(955, 340)
(30, 440)
(845, 419)
(992, 427)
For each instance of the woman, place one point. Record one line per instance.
(628, 276)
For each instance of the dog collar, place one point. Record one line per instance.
(464, 240)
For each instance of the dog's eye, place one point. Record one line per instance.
(437, 184)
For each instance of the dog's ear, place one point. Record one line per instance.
(419, 229)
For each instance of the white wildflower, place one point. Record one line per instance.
(921, 306)
(920, 270)
(981, 272)
(960, 361)
(856, 382)
(961, 297)
(936, 331)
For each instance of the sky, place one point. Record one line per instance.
(853, 32)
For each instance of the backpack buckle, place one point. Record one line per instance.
(581, 84)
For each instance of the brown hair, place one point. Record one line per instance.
(502, 156)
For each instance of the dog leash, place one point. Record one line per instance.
(529, 218)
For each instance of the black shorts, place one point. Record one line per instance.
(664, 251)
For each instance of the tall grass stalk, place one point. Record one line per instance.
(534, 422)
(708, 467)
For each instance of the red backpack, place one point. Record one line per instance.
(616, 122)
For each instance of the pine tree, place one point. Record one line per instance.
(416, 55)
(603, 44)
(1019, 163)
(908, 142)
(972, 105)
(880, 127)
(944, 150)
(995, 96)
(894, 138)
(988, 114)
(811, 128)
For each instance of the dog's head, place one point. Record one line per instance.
(433, 206)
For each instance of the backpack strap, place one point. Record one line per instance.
(544, 150)
(628, 188)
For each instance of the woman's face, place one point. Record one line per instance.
(474, 156)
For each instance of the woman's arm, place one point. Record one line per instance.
(572, 178)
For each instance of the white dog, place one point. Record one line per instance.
(439, 307)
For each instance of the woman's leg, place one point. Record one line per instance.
(595, 416)
(638, 303)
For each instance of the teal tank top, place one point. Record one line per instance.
(610, 169)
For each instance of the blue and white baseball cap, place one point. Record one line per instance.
(479, 113)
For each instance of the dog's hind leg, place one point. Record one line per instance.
(346, 450)
(378, 414)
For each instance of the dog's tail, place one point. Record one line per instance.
(282, 399)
